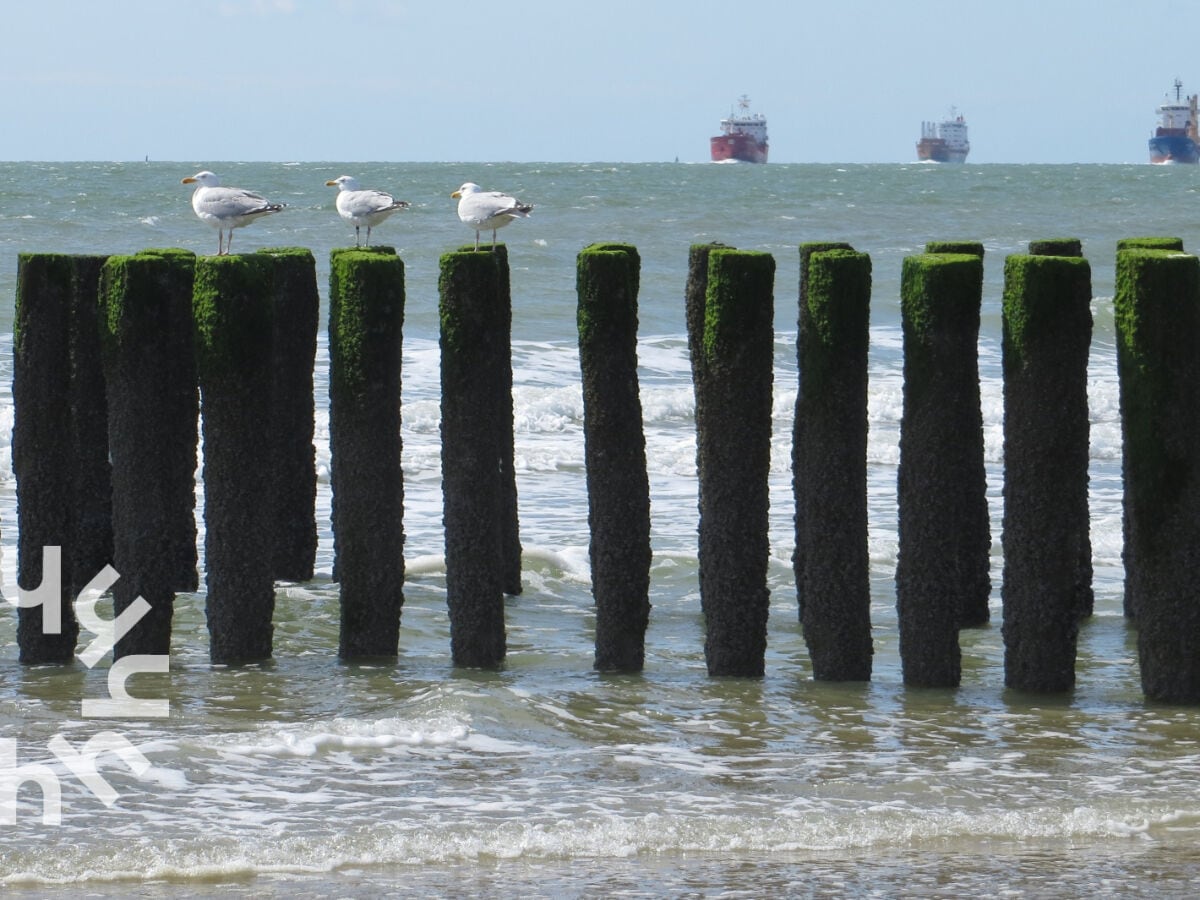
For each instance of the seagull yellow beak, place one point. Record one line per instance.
(331, 184)
(456, 195)
(188, 180)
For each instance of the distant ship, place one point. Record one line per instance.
(743, 136)
(944, 141)
(1175, 139)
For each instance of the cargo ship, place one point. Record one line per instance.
(944, 141)
(1175, 139)
(743, 136)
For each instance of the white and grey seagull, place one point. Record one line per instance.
(481, 210)
(360, 206)
(227, 208)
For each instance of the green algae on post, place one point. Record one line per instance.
(1150, 243)
(154, 404)
(970, 248)
(942, 571)
(829, 463)
(1046, 589)
(231, 306)
(733, 437)
(366, 324)
(1157, 308)
(607, 278)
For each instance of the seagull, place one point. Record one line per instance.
(226, 208)
(481, 210)
(363, 207)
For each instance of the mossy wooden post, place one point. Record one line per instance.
(1047, 330)
(733, 437)
(1134, 243)
(971, 248)
(232, 308)
(694, 302)
(176, 434)
(801, 507)
(1085, 594)
(473, 481)
(293, 470)
(153, 405)
(942, 579)
(366, 333)
(695, 292)
(1072, 247)
(500, 362)
(93, 541)
(829, 461)
(1157, 307)
(615, 451)
(1151, 243)
(60, 447)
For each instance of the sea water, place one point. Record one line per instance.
(305, 776)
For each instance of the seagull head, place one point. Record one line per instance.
(204, 179)
(469, 188)
(344, 183)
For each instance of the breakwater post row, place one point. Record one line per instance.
(154, 326)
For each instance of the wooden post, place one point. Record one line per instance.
(153, 399)
(474, 478)
(60, 447)
(1085, 595)
(1130, 600)
(1072, 247)
(942, 578)
(801, 525)
(1047, 335)
(971, 248)
(615, 450)
(366, 322)
(232, 309)
(829, 463)
(293, 468)
(1157, 307)
(733, 429)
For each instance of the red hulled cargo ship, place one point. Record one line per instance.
(944, 141)
(743, 136)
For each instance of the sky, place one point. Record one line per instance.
(1038, 81)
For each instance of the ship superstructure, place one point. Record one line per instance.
(1175, 139)
(743, 136)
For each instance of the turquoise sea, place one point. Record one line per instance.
(306, 777)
